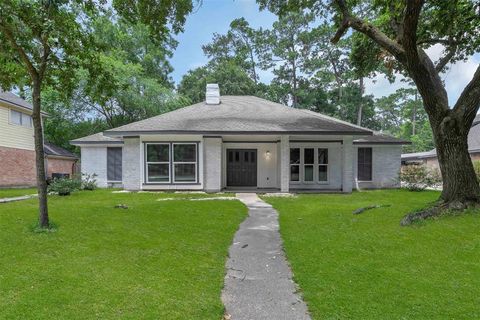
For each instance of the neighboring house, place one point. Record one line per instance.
(429, 158)
(59, 162)
(241, 142)
(17, 147)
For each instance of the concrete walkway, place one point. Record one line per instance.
(20, 198)
(259, 284)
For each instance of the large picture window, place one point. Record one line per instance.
(185, 162)
(158, 162)
(364, 164)
(171, 162)
(309, 165)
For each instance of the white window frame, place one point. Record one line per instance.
(147, 179)
(299, 165)
(315, 165)
(173, 162)
(323, 165)
(23, 116)
(371, 164)
(114, 181)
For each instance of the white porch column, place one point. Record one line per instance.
(285, 163)
(212, 150)
(347, 165)
(131, 164)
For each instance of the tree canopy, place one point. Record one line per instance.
(402, 32)
(45, 43)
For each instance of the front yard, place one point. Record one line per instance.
(10, 193)
(154, 260)
(166, 259)
(369, 267)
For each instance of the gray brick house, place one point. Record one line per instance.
(241, 142)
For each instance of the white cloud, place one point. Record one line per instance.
(456, 78)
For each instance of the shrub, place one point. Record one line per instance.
(419, 177)
(89, 182)
(64, 186)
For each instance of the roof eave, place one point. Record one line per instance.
(203, 132)
(16, 105)
(80, 143)
(384, 142)
(64, 157)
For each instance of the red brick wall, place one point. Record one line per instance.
(59, 166)
(17, 167)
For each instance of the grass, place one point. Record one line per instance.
(369, 267)
(154, 260)
(10, 193)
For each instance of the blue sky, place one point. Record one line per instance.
(216, 15)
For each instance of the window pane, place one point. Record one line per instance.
(364, 165)
(185, 172)
(322, 156)
(308, 173)
(184, 153)
(294, 156)
(157, 152)
(322, 173)
(158, 172)
(114, 164)
(294, 173)
(26, 120)
(246, 156)
(15, 117)
(308, 155)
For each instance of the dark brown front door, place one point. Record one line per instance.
(241, 167)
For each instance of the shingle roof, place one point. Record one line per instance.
(419, 155)
(473, 143)
(97, 138)
(53, 150)
(380, 138)
(12, 99)
(240, 115)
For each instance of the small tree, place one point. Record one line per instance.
(43, 42)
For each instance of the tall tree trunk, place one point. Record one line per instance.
(460, 185)
(414, 115)
(294, 93)
(360, 106)
(39, 156)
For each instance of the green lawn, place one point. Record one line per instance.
(9, 193)
(155, 260)
(369, 267)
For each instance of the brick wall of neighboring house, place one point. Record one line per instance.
(60, 165)
(17, 167)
